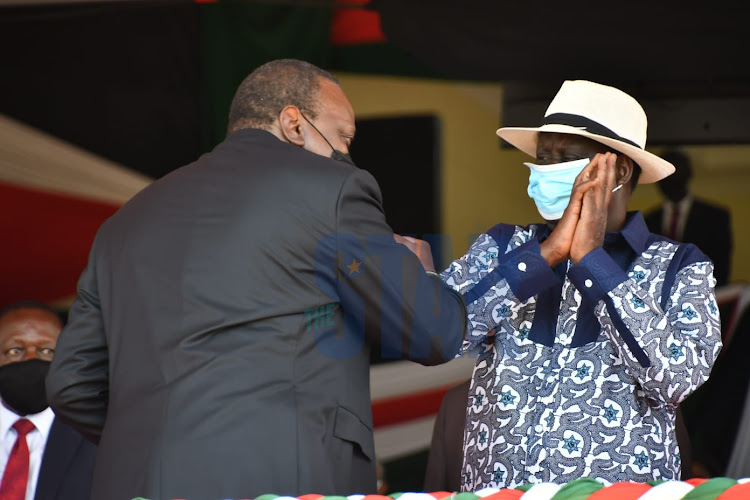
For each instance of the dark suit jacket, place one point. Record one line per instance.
(67, 465)
(708, 227)
(220, 341)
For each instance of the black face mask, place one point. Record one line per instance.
(22, 386)
(336, 154)
(345, 157)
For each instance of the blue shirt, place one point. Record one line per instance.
(580, 368)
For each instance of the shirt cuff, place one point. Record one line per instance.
(526, 271)
(597, 274)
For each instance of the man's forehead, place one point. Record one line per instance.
(13, 320)
(568, 140)
(334, 100)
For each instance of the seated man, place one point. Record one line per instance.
(40, 457)
(589, 329)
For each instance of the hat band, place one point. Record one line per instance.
(587, 123)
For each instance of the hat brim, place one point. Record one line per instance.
(653, 168)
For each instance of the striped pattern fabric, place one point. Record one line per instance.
(718, 488)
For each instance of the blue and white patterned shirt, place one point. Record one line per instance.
(580, 368)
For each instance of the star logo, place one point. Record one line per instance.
(641, 460)
(550, 419)
(712, 306)
(482, 437)
(675, 352)
(503, 311)
(498, 476)
(354, 267)
(639, 275)
(637, 301)
(507, 398)
(583, 371)
(523, 333)
(477, 400)
(689, 312)
(571, 444)
(610, 413)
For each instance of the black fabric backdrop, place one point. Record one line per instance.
(122, 81)
(149, 84)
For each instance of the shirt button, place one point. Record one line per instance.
(588, 283)
(522, 266)
(539, 428)
(550, 379)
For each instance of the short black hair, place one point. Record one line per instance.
(271, 87)
(679, 159)
(30, 304)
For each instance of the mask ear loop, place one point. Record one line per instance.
(618, 188)
(318, 131)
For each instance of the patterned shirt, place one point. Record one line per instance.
(580, 368)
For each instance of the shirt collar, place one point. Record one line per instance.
(635, 233)
(684, 203)
(42, 420)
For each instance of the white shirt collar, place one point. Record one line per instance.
(42, 420)
(684, 204)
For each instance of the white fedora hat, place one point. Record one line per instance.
(604, 114)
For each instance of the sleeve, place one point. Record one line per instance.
(497, 285)
(382, 286)
(78, 378)
(670, 351)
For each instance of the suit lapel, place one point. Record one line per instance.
(62, 445)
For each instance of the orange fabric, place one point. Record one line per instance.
(696, 481)
(621, 491)
(440, 494)
(411, 406)
(505, 495)
(736, 492)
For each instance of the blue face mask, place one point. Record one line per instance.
(550, 186)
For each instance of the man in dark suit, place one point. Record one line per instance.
(220, 341)
(56, 462)
(690, 220)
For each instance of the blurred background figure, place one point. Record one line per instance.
(682, 217)
(446, 449)
(40, 457)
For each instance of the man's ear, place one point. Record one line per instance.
(623, 169)
(290, 123)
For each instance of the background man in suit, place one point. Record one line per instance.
(220, 341)
(447, 447)
(51, 461)
(690, 220)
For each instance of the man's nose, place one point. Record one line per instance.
(30, 353)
